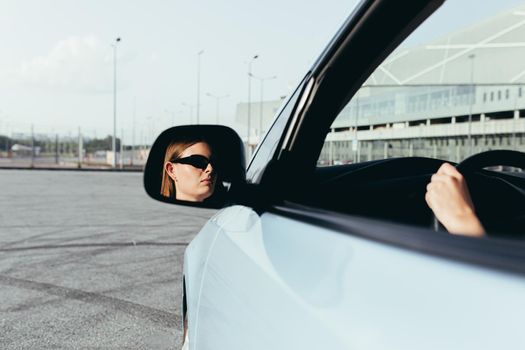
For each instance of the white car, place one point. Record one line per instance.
(347, 256)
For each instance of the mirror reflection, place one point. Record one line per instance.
(189, 174)
(195, 165)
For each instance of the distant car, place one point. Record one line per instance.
(346, 256)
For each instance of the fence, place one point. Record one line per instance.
(56, 151)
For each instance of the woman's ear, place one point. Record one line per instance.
(170, 170)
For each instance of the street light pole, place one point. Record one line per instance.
(217, 101)
(149, 137)
(471, 102)
(133, 130)
(190, 107)
(262, 79)
(249, 103)
(172, 113)
(198, 82)
(114, 139)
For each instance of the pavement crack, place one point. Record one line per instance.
(94, 245)
(159, 317)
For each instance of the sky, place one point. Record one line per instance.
(56, 66)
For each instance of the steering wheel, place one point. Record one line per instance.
(484, 159)
(492, 158)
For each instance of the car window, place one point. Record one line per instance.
(452, 91)
(267, 148)
(453, 88)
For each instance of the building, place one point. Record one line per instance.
(456, 96)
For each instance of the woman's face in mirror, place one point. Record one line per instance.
(192, 173)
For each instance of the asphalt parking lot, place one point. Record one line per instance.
(89, 261)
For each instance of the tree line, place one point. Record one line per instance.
(62, 145)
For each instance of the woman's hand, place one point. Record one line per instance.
(448, 197)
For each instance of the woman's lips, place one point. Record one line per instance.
(207, 181)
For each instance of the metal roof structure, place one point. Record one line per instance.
(479, 69)
(488, 52)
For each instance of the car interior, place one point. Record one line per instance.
(394, 190)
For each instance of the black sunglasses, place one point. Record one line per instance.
(196, 160)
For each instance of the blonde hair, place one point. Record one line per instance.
(173, 151)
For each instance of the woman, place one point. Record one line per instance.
(188, 172)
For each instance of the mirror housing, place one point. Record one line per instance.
(228, 162)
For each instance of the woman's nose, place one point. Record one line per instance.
(209, 168)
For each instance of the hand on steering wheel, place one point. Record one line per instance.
(448, 197)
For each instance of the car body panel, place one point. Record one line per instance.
(195, 261)
(274, 282)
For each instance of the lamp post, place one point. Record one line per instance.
(114, 139)
(172, 114)
(133, 130)
(198, 82)
(150, 122)
(471, 102)
(355, 143)
(217, 101)
(190, 107)
(262, 79)
(249, 103)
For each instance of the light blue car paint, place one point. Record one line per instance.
(270, 282)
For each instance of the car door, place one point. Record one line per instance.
(280, 281)
(281, 274)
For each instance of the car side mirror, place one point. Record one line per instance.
(204, 162)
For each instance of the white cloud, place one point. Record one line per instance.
(76, 64)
